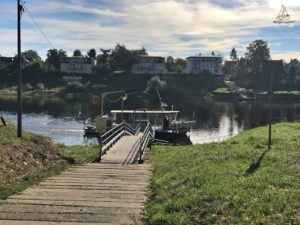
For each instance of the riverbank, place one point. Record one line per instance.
(27, 161)
(225, 94)
(233, 182)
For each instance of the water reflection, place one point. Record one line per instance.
(63, 118)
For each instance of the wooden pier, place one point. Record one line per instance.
(111, 192)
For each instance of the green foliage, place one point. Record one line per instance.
(31, 56)
(28, 87)
(155, 83)
(75, 87)
(233, 54)
(247, 72)
(8, 134)
(77, 52)
(122, 58)
(233, 182)
(92, 53)
(222, 90)
(40, 86)
(258, 51)
(81, 153)
(54, 56)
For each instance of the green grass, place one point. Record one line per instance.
(73, 154)
(223, 90)
(234, 182)
(8, 134)
(80, 153)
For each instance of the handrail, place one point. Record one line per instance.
(144, 141)
(109, 138)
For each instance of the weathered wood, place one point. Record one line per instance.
(112, 192)
(3, 120)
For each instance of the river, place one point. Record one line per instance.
(58, 117)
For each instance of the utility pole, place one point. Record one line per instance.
(19, 125)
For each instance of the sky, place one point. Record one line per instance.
(179, 28)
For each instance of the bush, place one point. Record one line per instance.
(155, 83)
(75, 86)
(28, 87)
(40, 86)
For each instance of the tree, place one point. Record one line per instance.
(77, 52)
(170, 63)
(258, 52)
(31, 56)
(92, 53)
(122, 58)
(155, 83)
(180, 64)
(54, 56)
(213, 53)
(291, 77)
(233, 54)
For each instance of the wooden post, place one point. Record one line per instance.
(270, 110)
(140, 158)
(100, 148)
(3, 121)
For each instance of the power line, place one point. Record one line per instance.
(37, 25)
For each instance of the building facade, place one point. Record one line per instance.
(200, 64)
(6, 60)
(149, 65)
(77, 65)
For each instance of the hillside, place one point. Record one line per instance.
(29, 160)
(237, 181)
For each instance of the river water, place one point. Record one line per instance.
(59, 118)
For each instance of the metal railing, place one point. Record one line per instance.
(145, 140)
(109, 138)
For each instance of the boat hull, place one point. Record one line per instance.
(177, 137)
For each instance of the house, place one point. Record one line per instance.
(272, 68)
(77, 65)
(201, 63)
(149, 65)
(6, 60)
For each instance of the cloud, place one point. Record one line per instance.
(172, 27)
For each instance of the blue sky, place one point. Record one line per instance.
(179, 28)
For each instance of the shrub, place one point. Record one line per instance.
(40, 86)
(28, 87)
(75, 86)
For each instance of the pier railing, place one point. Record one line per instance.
(109, 138)
(145, 140)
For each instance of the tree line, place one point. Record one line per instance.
(248, 71)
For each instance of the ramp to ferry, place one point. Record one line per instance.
(110, 192)
(125, 151)
(89, 194)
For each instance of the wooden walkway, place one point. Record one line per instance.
(107, 193)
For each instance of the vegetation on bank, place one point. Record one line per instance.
(31, 159)
(237, 181)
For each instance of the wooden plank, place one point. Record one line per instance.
(106, 193)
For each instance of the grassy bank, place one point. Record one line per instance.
(30, 160)
(234, 182)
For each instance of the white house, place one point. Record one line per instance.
(77, 65)
(149, 65)
(201, 63)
